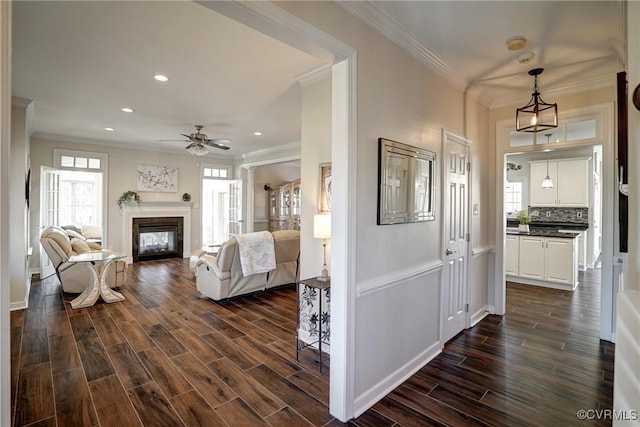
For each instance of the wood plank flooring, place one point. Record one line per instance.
(165, 357)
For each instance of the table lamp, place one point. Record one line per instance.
(322, 230)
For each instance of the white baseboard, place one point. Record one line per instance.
(19, 305)
(384, 387)
(479, 315)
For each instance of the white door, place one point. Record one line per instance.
(455, 160)
(49, 211)
(221, 210)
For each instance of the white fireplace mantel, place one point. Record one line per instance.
(132, 210)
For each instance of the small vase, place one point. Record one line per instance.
(523, 228)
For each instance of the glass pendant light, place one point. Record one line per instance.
(547, 182)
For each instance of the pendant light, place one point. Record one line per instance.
(531, 117)
(547, 182)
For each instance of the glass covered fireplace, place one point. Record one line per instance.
(157, 238)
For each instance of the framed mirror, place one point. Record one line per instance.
(406, 183)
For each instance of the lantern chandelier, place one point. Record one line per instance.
(537, 115)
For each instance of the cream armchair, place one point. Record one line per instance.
(73, 277)
(219, 277)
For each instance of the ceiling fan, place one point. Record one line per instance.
(199, 142)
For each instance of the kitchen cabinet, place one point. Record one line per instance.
(582, 248)
(543, 261)
(570, 183)
(511, 256)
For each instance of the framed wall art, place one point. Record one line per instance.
(406, 183)
(324, 204)
(162, 179)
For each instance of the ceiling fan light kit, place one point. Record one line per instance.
(532, 117)
(197, 149)
(200, 143)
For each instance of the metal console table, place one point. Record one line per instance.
(322, 287)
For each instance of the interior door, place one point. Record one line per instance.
(456, 234)
(49, 211)
(235, 207)
(221, 210)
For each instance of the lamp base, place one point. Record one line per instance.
(324, 277)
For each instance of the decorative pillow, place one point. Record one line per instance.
(74, 235)
(70, 227)
(79, 246)
(92, 231)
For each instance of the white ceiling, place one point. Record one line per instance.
(80, 62)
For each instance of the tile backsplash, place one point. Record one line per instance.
(575, 215)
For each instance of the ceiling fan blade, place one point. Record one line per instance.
(171, 140)
(209, 143)
(218, 141)
(186, 136)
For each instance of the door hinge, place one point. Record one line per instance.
(467, 237)
(466, 308)
(469, 166)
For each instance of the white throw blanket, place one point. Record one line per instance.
(257, 254)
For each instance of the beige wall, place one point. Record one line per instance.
(316, 149)
(19, 213)
(400, 99)
(122, 177)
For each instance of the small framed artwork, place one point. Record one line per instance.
(324, 204)
(162, 179)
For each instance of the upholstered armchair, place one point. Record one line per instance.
(75, 277)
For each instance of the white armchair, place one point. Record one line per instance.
(75, 277)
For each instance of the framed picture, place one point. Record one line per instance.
(162, 179)
(406, 183)
(324, 204)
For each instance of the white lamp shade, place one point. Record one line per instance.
(322, 226)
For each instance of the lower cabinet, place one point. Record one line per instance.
(511, 257)
(544, 261)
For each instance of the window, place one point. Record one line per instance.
(513, 197)
(216, 173)
(79, 162)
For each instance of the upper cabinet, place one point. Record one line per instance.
(570, 183)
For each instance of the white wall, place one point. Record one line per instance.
(397, 318)
(316, 149)
(21, 113)
(5, 143)
(122, 177)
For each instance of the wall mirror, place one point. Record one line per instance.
(406, 183)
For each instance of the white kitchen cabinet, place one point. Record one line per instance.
(570, 183)
(532, 257)
(582, 248)
(511, 257)
(543, 261)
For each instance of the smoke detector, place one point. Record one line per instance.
(525, 58)
(516, 42)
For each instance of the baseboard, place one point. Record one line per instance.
(34, 272)
(479, 315)
(384, 387)
(19, 305)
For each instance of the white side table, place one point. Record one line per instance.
(99, 285)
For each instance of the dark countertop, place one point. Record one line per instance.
(543, 233)
(554, 225)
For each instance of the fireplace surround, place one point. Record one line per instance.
(151, 210)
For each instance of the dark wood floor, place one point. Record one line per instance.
(165, 357)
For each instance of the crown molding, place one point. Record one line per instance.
(571, 88)
(314, 75)
(20, 102)
(272, 150)
(381, 23)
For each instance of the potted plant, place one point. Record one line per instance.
(524, 218)
(129, 196)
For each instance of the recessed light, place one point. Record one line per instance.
(258, 133)
(109, 129)
(516, 42)
(127, 109)
(161, 78)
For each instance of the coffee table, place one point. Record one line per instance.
(99, 285)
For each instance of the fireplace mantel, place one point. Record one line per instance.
(132, 210)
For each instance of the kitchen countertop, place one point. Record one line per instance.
(555, 225)
(543, 233)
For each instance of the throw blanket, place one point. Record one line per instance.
(257, 254)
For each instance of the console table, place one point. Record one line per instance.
(99, 284)
(310, 311)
